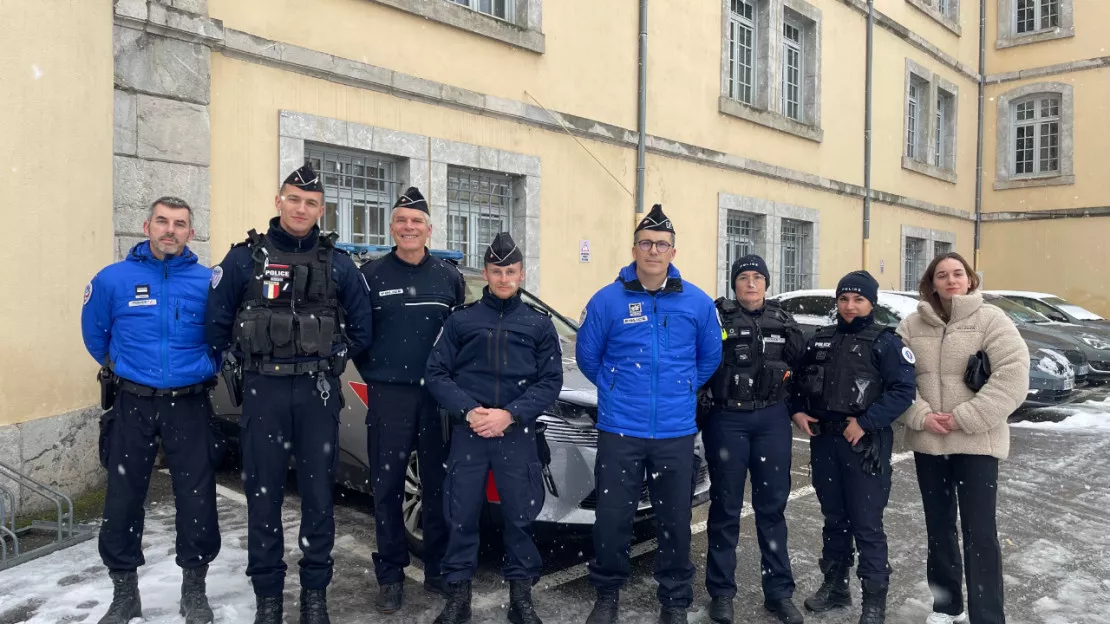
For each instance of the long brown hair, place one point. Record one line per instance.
(929, 293)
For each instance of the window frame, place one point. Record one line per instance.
(947, 15)
(737, 21)
(768, 216)
(524, 30)
(931, 112)
(475, 216)
(919, 260)
(345, 197)
(1008, 35)
(800, 278)
(1006, 163)
(1038, 123)
(510, 8)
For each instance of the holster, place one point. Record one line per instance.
(109, 387)
(545, 457)
(232, 372)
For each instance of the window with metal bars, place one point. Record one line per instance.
(742, 235)
(479, 205)
(792, 70)
(940, 248)
(1037, 136)
(915, 262)
(796, 252)
(741, 51)
(359, 190)
(501, 9)
(1036, 15)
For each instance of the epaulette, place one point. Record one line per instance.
(462, 306)
(537, 308)
(726, 305)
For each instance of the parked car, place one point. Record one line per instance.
(1090, 328)
(1052, 376)
(571, 434)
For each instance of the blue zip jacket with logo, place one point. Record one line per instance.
(648, 354)
(146, 316)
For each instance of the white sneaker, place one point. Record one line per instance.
(944, 618)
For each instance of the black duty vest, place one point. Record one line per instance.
(840, 375)
(290, 310)
(753, 372)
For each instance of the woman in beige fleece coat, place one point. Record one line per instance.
(958, 436)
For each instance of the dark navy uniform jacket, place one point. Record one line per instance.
(496, 353)
(231, 277)
(894, 366)
(410, 302)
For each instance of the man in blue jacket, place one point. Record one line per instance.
(649, 341)
(143, 318)
(292, 308)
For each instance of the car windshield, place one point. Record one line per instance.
(1017, 312)
(1073, 310)
(567, 329)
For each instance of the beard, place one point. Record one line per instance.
(168, 247)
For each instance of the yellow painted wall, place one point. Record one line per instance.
(1091, 135)
(964, 47)
(56, 68)
(1090, 40)
(1066, 257)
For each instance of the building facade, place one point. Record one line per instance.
(522, 115)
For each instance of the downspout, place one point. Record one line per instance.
(641, 119)
(979, 141)
(867, 139)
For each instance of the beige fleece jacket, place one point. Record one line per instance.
(942, 350)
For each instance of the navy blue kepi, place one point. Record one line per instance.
(503, 251)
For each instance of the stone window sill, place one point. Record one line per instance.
(772, 120)
(932, 171)
(1037, 37)
(942, 19)
(1033, 182)
(470, 20)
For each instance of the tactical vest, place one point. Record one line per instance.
(840, 375)
(290, 310)
(753, 372)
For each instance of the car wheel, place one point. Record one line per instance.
(412, 506)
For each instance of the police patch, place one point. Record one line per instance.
(908, 356)
(88, 293)
(635, 309)
(217, 275)
(635, 319)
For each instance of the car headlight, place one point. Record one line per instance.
(577, 416)
(1095, 342)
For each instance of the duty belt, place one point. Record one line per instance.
(744, 406)
(828, 427)
(147, 391)
(282, 369)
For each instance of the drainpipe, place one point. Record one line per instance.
(641, 120)
(979, 142)
(867, 139)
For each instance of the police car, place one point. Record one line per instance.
(571, 432)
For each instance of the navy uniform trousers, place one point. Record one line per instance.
(852, 502)
(518, 476)
(128, 445)
(400, 419)
(737, 443)
(283, 415)
(619, 472)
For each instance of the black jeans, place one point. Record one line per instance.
(973, 481)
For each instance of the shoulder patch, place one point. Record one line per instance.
(538, 309)
(217, 275)
(88, 293)
(908, 356)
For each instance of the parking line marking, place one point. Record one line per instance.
(573, 573)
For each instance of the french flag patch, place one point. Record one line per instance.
(271, 290)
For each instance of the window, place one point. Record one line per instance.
(359, 190)
(1034, 15)
(741, 49)
(742, 234)
(913, 118)
(501, 9)
(930, 124)
(791, 70)
(1022, 22)
(944, 12)
(915, 262)
(815, 308)
(944, 133)
(795, 250)
(479, 205)
(941, 247)
(1037, 136)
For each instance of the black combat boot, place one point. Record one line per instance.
(784, 610)
(314, 606)
(521, 610)
(720, 610)
(605, 608)
(194, 602)
(268, 609)
(672, 615)
(390, 598)
(833, 591)
(874, 602)
(435, 585)
(457, 609)
(125, 598)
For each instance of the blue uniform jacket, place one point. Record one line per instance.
(229, 286)
(498, 354)
(648, 354)
(899, 381)
(146, 316)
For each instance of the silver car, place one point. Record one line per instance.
(571, 436)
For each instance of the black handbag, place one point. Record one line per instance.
(978, 371)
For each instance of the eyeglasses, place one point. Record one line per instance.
(646, 245)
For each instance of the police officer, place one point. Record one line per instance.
(411, 293)
(856, 378)
(143, 318)
(748, 430)
(291, 308)
(495, 367)
(649, 341)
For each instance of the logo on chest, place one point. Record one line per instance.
(275, 278)
(142, 291)
(635, 309)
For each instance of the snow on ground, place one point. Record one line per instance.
(1089, 415)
